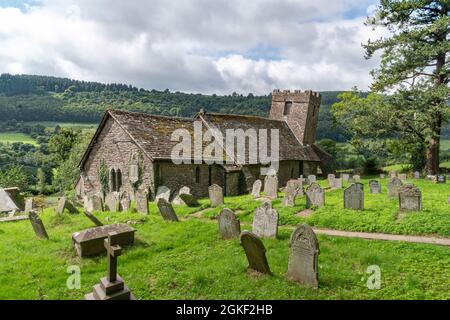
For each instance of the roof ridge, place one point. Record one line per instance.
(242, 115)
(149, 114)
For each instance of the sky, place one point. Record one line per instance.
(200, 46)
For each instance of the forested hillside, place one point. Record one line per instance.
(42, 98)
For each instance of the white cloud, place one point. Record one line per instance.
(195, 46)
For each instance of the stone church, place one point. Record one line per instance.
(132, 151)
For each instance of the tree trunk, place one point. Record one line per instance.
(432, 164)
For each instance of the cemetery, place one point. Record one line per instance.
(246, 247)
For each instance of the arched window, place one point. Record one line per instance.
(118, 180)
(197, 174)
(287, 108)
(112, 180)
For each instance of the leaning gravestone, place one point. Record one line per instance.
(256, 189)
(215, 195)
(402, 176)
(163, 192)
(356, 178)
(265, 221)
(374, 186)
(37, 225)
(177, 199)
(255, 252)
(63, 204)
(89, 242)
(93, 218)
(189, 200)
(315, 196)
(112, 202)
(29, 205)
(166, 210)
(312, 178)
(290, 192)
(393, 187)
(416, 175)
(331, 177)
(141, 198)
(125, 202)
(354, 197)
(271, 186)
(304, 255)
(410, 198)
(345, 177)
(229, 224)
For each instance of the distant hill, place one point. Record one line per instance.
(44, 98)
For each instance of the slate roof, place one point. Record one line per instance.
(152, 133)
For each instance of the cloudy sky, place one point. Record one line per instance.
(206, 46)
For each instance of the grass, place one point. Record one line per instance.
(187, 260)
(11, 137)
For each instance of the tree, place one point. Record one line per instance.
(62, 143)
(40, 175)
(14, 176)
(414, 70)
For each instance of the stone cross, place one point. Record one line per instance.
(255, 252)
(113, 250)
(303, 259)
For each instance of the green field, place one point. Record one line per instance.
(11, 137)
(75, 125)
(188, 260)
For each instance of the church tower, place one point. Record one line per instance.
(300, 110)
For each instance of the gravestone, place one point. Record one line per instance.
(345, 177)
(29, 205)
(410, 198)
(416, 175)
(215, 195)
(189, 200)
(112, 202)
(382, 176)
(256, 189)
(312, 178)
(37, 225)
(374, 187)
(111, 287)
(162, 192)
(304, 256)
(177, 199)
(290, 192)
(265, 221)
(392, 174)
(338, 183)
(63, 204)
(315, 196)
(141, 198)
(354, 197)
(93, 218)
(90, 242)
(229, 224)
(166, 210)
(402, 176)
(440, 178)
(271, 186)
(356, 178)
(393, 187)
(331, 177)
(7, 203)
(255, 252)
(125, 201)
(92, 203)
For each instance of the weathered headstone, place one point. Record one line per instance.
(315, 197)
(331, 177)
(229, 224)
(354, 197)
(265, 221)
(402, 176)
(177, 199)
(93, 203)
(392, 174)
(382, 176)
(374, 187)
(29, 205)
(189, 200)
(125, 201)
(271, 186)
(141, 198)
(163, 192)
(93, 218)
(416, 175)
(256, 189)
(290, 192)
(63, 204)
(215, 195)
(410, 198)
(166, 210)
(345, 177)
(338, 182)
(356, 178)
(90, 242)
(393, 187)
(303, 258)
(112, 202)
(255, 252)
(312, 178)
(441, 178)
(111, 287)
(37, 225)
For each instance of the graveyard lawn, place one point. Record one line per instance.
(188, 260)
